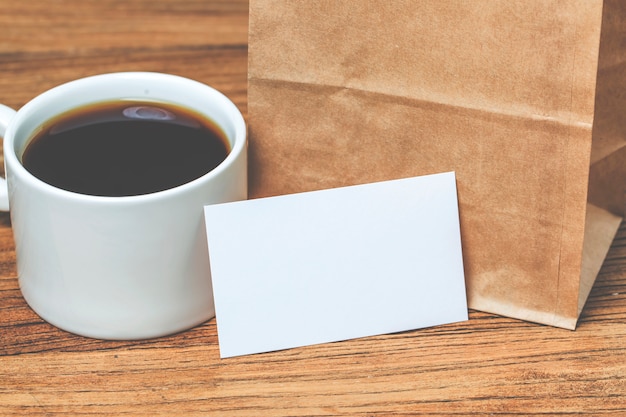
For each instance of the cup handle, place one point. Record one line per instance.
(6, 114)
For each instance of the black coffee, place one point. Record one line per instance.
(125, 148)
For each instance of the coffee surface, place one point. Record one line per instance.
(125, 148)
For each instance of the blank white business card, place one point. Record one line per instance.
(336, 264)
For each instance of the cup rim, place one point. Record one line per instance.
(237, 146)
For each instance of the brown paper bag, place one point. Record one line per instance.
(502, 92)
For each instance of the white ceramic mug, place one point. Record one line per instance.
(118, 267)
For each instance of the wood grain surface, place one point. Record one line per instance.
(488, 365)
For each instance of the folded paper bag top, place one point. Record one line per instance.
(503, 93)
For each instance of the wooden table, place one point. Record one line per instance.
(487, 366)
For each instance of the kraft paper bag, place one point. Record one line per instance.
(524, 100)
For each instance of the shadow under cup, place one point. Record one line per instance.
(120, 267)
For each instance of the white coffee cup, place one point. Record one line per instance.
(118, 267)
